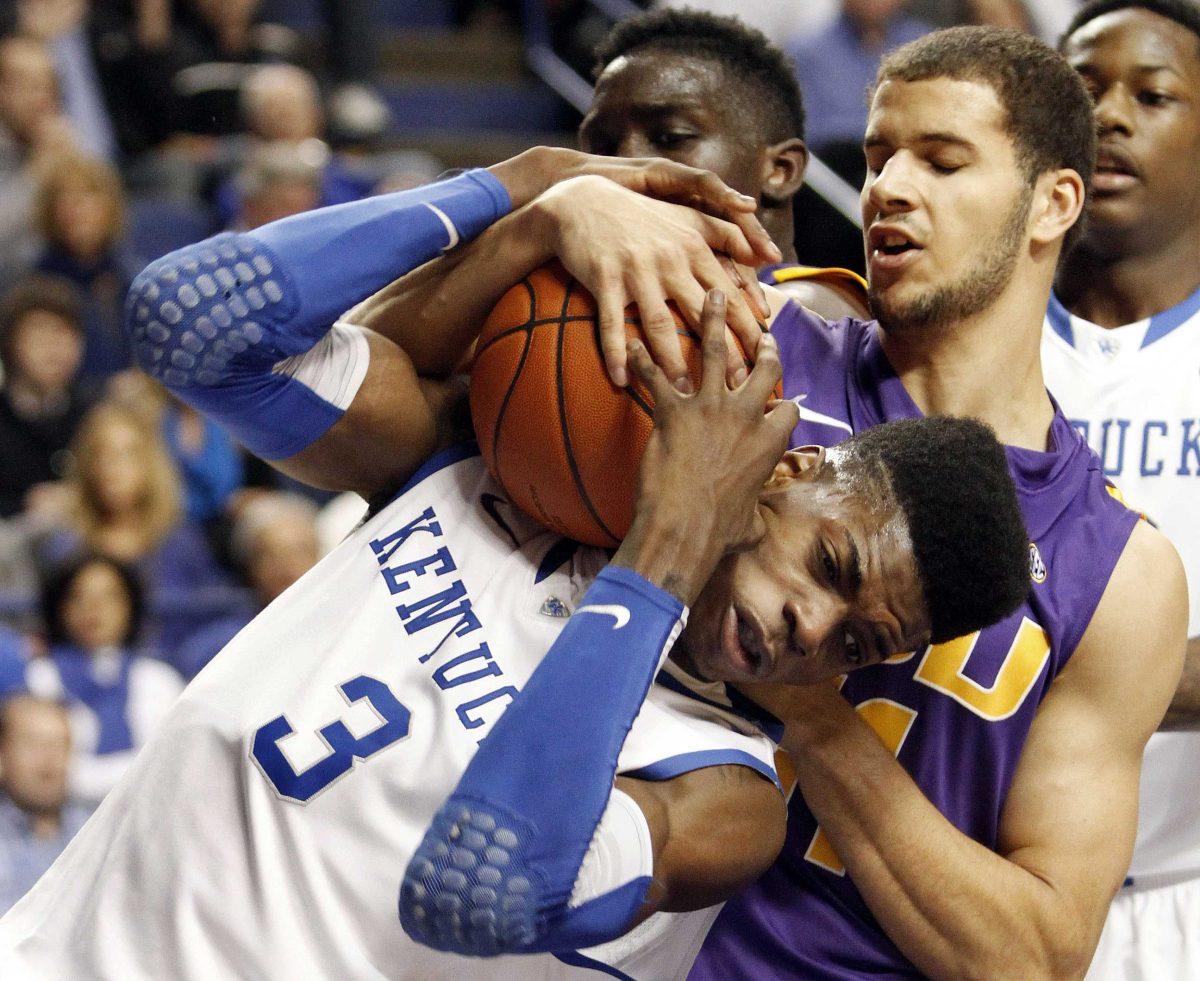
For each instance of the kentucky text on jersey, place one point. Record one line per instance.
(456, 667)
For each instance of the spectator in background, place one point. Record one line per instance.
(42, 402)
(62, 25)
(36, 819)
(208, 460)
(125, 503)
(92, 609)
(276, 183)
(837, 66)
(274, 544)
(81, 214)
(281, 107)
(32, 130)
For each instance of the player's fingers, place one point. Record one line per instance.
(766, 373)
(712, 342)
(754, 293)
(660, 328)
(783, 416)
(610, 305)
(745, 327)
(700, 188)
(725, 236)
(643, 366)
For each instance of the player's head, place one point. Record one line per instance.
(979, 146)
(905, 534)
(706, 91)
(1140, 59)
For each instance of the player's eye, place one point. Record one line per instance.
(1155, 98)
(853, 653)
(829, 564)
(671, 138)
(944, 168)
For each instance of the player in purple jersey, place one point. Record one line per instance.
(711, 92)
(969, 811)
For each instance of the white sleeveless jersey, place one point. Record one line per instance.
(1134, 393)
(264, 831)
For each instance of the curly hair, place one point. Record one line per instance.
(742, 52)
(950, 478)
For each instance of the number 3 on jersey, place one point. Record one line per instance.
(344, 746)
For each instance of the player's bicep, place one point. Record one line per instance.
(1071, 814)
(714, 831)
(392, 424)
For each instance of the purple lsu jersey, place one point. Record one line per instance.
(956, 714)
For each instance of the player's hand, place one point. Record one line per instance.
(535, 171)
(626, 248)
(707, 460)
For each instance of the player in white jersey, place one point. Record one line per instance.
(1121, 353)
(458, 734)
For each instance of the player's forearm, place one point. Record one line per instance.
(952, 906)
(434, 313)
(1184, 712)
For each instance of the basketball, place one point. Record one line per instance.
(561, 439)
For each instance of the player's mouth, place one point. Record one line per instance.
(743, 646)
(1115, 171)
(891, 249)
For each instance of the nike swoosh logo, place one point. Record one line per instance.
(811, 415)
(450, 229)
(619, 613)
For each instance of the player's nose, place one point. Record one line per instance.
(1113, 111)
(891, 191)
(810, 620)
(633, 143)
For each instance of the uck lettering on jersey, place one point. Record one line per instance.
(1151, 448)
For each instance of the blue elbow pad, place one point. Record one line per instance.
(211, 321)
(495, 871)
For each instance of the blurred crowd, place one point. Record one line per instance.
(135, 537)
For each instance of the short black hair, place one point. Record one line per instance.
(52, 294)
(745, 53)
(1186, 13)
(1049, 114)
(950, 477)
(59, 580)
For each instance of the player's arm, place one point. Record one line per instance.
(570, 857)
(1035, 908)
(713, 831)
(243, 326)
(1184, 712)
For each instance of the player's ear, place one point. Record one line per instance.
(1057, 204)
(802, 463)
(783, 164)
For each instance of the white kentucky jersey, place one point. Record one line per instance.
(264, 831)
(1134, 393)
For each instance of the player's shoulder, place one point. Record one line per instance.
(1137, 638)
(830, 292)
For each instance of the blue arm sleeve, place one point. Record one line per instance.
(211, 320)
(494, 872)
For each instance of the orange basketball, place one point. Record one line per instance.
(561, 439)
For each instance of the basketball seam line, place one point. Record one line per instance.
(516, 377)
(562, 423)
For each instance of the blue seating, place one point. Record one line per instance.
(161, 225)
